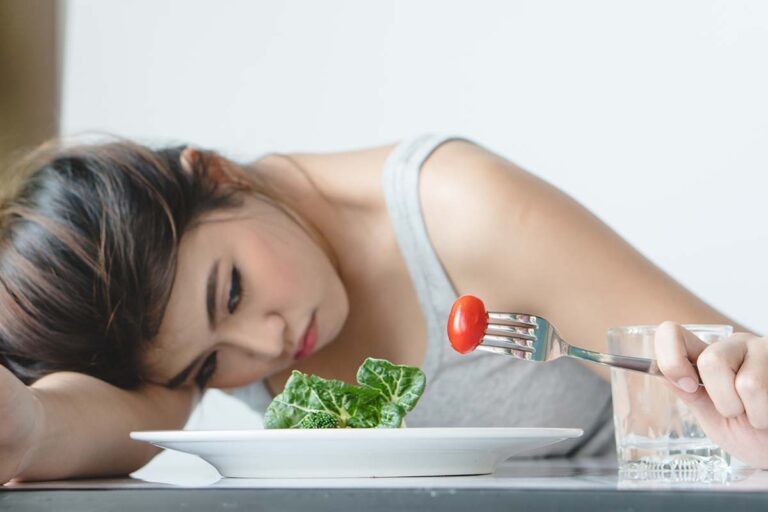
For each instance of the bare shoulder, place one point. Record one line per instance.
(474, 203)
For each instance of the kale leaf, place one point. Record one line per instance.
(400, 384)
(309, 394)
(387, 392)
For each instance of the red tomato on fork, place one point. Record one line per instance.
(467, 323)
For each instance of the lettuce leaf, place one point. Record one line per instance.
(387, 392)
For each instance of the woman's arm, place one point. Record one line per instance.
(522, 245)
(80, 425)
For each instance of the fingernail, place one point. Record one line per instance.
(688, 385)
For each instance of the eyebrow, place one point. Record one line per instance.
(212, 284)
(210, 293)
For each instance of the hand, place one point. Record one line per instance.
(20, 422)
(733, 409)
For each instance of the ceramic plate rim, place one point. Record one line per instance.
(355, 433)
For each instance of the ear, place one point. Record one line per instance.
(219, 169)
(189, 156)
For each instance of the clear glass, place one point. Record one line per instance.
(657, 436)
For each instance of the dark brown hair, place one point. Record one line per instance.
(88, 247)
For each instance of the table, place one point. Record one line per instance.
(529, 485)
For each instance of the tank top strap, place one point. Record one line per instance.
(431, 283)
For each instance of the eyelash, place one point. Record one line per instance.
(235, 291)
(209, 366)
(206, 371)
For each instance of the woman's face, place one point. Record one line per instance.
(267, 281)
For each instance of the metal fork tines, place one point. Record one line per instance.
(510, 333)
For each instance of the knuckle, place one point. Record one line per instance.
(709, 360)
(719, 349)
(749, 385)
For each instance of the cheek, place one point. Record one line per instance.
(333, 312)
(300, 268)
(298, 273)
(287, 276)
(273, 264)
(237, 369)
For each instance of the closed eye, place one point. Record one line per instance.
(235, 291)
(206, 371)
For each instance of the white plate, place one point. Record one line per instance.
(333, 453)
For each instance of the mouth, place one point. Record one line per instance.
(308, 339)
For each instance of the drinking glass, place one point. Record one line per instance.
(656, 434)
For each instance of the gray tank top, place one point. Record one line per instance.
(479, 389)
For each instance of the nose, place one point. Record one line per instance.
(264, 338)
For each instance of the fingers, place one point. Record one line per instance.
(752, 382)
(732, 408)
(718, 365)
(734, 372)
(675, 348)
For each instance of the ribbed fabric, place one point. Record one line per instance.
(479, 389)
(433, 288)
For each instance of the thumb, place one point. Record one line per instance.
(675, 348)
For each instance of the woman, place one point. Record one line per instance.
(133, 278)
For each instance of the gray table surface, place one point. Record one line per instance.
(530, 485)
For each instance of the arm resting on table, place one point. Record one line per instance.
(86, 421)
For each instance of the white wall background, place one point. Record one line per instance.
(654, 114)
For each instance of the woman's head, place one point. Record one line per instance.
(105, 253)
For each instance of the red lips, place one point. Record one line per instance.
(308, 341)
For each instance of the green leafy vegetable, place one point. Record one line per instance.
(387, 392)
(399, 384)
(319, 420)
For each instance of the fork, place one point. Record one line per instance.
(525, 336)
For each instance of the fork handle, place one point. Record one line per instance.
(637, 364)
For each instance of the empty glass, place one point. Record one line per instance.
(657, 436)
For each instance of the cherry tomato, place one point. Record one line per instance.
(467, 323)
